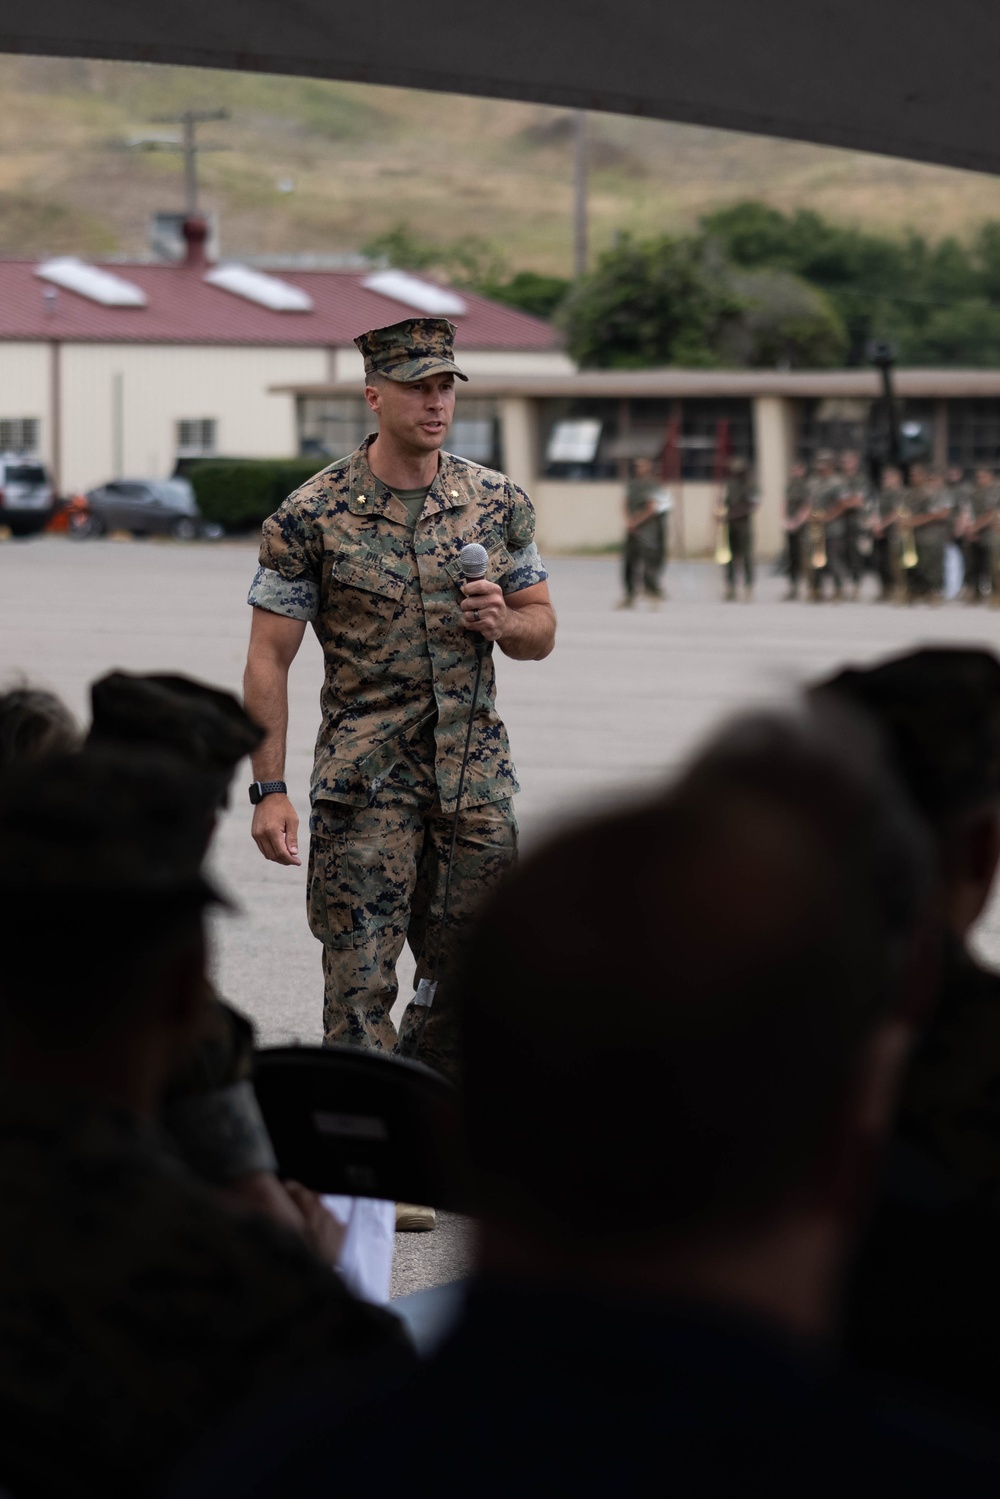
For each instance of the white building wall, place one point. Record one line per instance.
(162, 384)
(25, 383)
(584, 515)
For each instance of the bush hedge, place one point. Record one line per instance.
(240, 493)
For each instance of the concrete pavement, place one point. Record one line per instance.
(622, 701)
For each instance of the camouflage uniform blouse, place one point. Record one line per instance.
(383, 597)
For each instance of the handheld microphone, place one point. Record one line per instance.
(473, 560)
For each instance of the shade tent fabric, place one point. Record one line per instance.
(906, 78)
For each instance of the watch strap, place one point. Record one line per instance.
(260, 789)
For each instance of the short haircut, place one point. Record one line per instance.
(33, 724)
(100, 883)
(662, 1009)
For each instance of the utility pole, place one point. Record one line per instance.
(579, 192)
(186, 144)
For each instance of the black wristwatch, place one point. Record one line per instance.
(260, 789)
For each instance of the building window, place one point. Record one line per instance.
(974, 433)
(196, 437)
(19, 434)
(596, 439)
(712, 432)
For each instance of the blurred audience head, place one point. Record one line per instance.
(33, 724)
(204, 726)
(643, 468)
(681, 1020)
(939, 711)
(850, 461)
(892, 478)
(102, 890)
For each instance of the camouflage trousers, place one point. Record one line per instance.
(376, 878)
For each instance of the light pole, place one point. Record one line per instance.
(579, 192)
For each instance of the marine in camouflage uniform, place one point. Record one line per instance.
(380, 583)
(825, 527)
(924, 1303)
(980, 537)
(796, 516)
(739, 500)
(645, 549)
(856, 498)
(885, 533)
(929, 503)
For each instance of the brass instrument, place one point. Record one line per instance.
(816, 540)
(723, 551)
(908, 551)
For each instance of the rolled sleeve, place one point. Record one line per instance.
(527, 569)
(296, 598)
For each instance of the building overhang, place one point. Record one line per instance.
(677, 384)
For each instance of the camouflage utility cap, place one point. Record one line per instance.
(411, 350)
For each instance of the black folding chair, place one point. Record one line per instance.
(344, 1120)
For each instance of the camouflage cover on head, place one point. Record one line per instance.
(410, 350)
(939, 709)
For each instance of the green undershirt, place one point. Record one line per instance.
(413, 501)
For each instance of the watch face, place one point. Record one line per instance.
(255, 792)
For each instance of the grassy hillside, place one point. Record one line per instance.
(362, 159)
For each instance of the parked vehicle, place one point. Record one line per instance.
(146, 507)
(26, 498)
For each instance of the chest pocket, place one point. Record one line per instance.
(362, 594)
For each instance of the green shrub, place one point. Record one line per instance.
(240, 493)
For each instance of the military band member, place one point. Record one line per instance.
(825, 528)
(739, 501)
(979, 535)
(930, 506)
(796, 516)
(645, 550)
(885, 533)
(854, 503)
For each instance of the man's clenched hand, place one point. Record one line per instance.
(484, 608)
(275, 829)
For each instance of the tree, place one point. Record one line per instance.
(469, 261)
(534, 293)
(657, 301)
(785, 322)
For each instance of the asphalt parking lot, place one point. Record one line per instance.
(623, 700)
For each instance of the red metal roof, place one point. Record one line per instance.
(182, 308)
